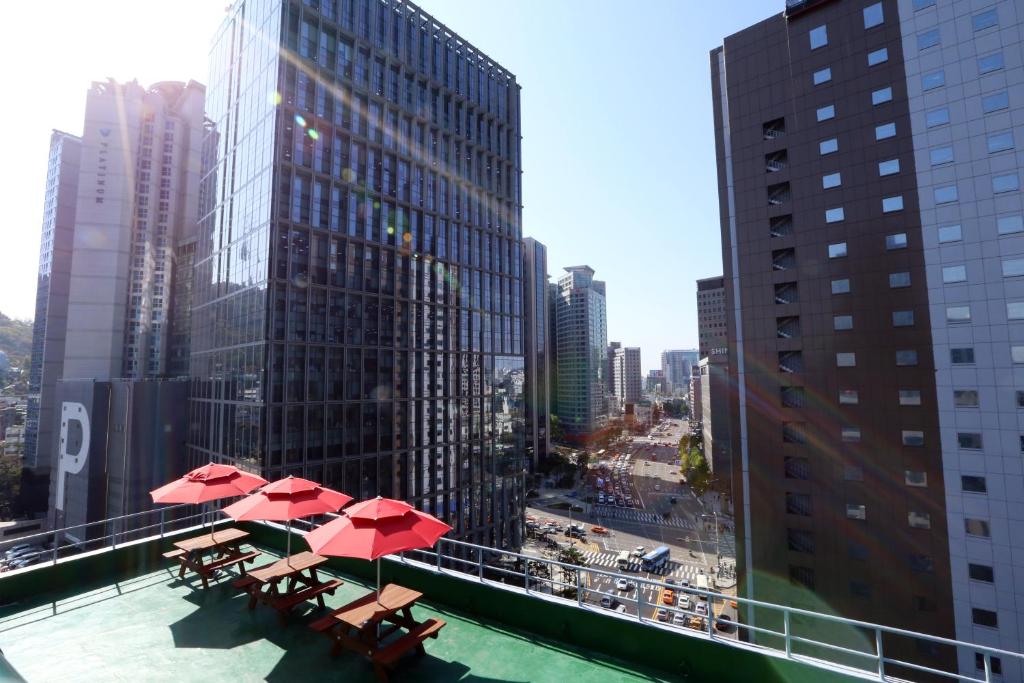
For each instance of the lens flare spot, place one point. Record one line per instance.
(313, 135)
(299, 120)
(391, 230)
(348, 175)
(407, 237)
(275, 98)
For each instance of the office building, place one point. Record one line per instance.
(50, 324)
(711, 317)
(676, 366)
(869, 193)
(582, 342)
(610, 369)
(694, 398)
(711, 384)
(626, 379)
(359, 322)
(537, 342)
(655, 382)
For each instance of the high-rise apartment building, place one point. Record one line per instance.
(626, 377)
(869, 190)
(582, 343)
(711, 317)
(537, 343)
(610, 352)
(357, 310)
(677, 367)
(655, 381)
(49, 327)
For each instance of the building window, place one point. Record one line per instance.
(822, 76)
(798, 504)
(919, 520)
(899, 280)
(941, 155)
(1006, 225)
(902, 318)
(906, 358)
(950, 233)
(990, 63)
(995, 102)
(936, 117)
(837, 250)
(984, 617)
(873, 15)
(856, 511)
(958, 314)
(984, 20)
(825, 113)
(995, 663)
(828, 146)
(856, 551)
(846, 360)
(891, 204)
(910, 397)
(802, 576)
(860, 589)
(1000, 142)
(886, 130)
(915, 478)
(1014, 309)
(835, 215)
(922, 563)
(981, 572)
(881, 96)
(977, 527)
(961, 356)
(973, 484)
(796, 468)
(831, 180)
(927, 39)
(889, 167)
(853, 473)
(819, 37)
(850, 434)
(1017, 354)
(800, 540)
(965, 398)
(842, 322)
(912, 437)
(895, 241)
(923, 4)
(932, 80)
(878, 57)
(848, 397)
(945, 194)
(792, 397)
(1005, 183)
(841, 286)
(951, 274)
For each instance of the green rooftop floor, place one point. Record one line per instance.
(154, 627)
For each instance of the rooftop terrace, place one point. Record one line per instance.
(121, 613)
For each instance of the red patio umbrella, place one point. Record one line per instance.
(377, 527)
(287, 499)
(206, 483)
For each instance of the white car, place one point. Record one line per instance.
(685, 602)
(638, 551)
(623, 585)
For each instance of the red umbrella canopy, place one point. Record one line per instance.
(209, 482)
(368, 538)
(379, 508)
(288, 498)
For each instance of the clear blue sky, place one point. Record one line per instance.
(618, 144)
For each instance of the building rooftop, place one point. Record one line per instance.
(121, 612)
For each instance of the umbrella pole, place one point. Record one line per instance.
(288, 530)
(378, 579)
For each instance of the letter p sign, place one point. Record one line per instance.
(74, 445)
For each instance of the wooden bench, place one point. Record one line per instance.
(386, 657)
(244, 583)
(240, 560)
(173, 554)
(285, 603)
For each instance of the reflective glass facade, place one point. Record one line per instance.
(358, 312)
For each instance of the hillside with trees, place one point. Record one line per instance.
(16, 345)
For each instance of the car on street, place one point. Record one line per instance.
(702, 608)
(685, 602)
(599, 530)
(670, 581)
(606, 601)
(621, 609)
(623, 585)
(662, 614)
(679, 619)
(668, 598)
(724, 623)
(638, 551)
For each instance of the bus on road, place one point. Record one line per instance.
(656, 559)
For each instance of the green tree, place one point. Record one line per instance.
(10, 484)
(574, 556)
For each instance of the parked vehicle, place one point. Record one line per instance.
(656, 559)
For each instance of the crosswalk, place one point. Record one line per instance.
(643, 516)
(609, 560)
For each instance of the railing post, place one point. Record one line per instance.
(881, 657)
(480, 562)
(56, 544)
(161, 522)
(579, 587)
(785, 630)
(639, 603)
(526, 574)
(711, 617)
(437, 553)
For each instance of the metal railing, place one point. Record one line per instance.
(798, 634)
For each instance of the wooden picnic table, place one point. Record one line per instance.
(212, 552)
(357, 627)
(264, 583)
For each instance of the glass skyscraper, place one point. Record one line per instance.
(357, 313)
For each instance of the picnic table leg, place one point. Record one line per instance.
(315, 581)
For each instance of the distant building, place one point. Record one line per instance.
(537, 343)
(694, 398)
(582, 341)
(14, 440)
(711, 323)
(610, 369)
(118, 202)
(676, 365)
(626, 378)
(712, 380)
(655, 382)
